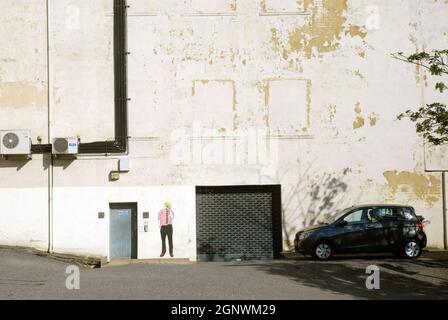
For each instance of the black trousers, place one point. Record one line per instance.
(167, 231)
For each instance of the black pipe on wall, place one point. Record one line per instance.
(120, 142)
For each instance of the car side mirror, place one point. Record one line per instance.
(342, 223)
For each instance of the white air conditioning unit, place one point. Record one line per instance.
(65, 146)
(15, 142)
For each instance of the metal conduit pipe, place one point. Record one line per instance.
(120, 143)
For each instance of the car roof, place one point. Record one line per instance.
(380, 205)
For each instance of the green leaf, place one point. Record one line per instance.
(435, 70)
(431, 120)
(440, 86)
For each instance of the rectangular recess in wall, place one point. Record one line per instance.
(435, 157)
(284, 7)
(214, 103)
(184, 8)
(207, 7)
(287, 103)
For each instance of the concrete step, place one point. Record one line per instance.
(82, 261)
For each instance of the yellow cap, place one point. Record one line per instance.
(167, 204)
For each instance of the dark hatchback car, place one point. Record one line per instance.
(363, 229)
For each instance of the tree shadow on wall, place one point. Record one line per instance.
(316, 196)
(323, 193)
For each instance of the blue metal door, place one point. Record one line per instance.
(120, 233)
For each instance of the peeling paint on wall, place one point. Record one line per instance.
(308, 102)
(322, 32)
(358, 107)
(424, 187)
(372, 119)
(263, 6)
(22, 94)
(233, 6)
(332, 109)
(356, 31)
(359, 121)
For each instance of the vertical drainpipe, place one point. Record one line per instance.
(444, 204)
(445, 240)
(50, 157)
(444, 201)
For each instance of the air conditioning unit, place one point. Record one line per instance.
(15, 142)
(65, 146)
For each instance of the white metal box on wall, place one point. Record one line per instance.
(15, 142)
(65, 145)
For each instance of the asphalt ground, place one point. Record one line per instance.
(24, 275)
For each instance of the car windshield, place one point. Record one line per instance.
(338, 215)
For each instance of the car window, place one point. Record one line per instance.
(338, 215)
(405, 214)
(384, 213)
(357, 216)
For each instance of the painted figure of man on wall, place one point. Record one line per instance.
(166, 217)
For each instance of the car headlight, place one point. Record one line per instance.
(305, 235)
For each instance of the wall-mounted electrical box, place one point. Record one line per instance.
(146, 226)
(114, 176)
(124, 165)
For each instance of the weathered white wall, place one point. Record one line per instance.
(23, 66)
(78, 229)
(24, 203)
(24, 217)
(313, 80)
(81, 78)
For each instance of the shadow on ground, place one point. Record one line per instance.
(347, 275)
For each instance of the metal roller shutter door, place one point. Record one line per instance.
(238, 222)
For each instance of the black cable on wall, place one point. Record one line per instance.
(120, 142)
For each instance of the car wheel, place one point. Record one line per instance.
(411, 249)
(323, 251)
